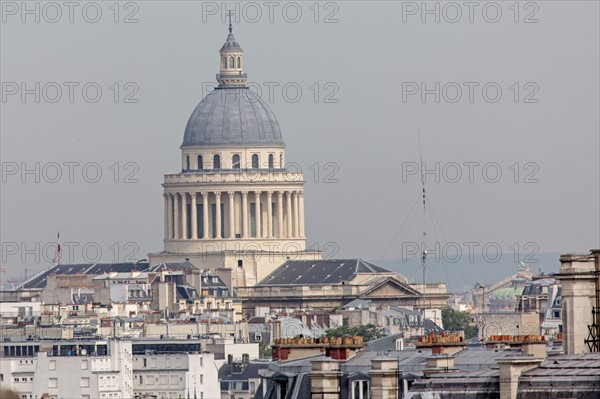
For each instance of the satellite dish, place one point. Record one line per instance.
(83, 352)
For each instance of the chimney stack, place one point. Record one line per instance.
(385, 378)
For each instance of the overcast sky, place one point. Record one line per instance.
(517, 98)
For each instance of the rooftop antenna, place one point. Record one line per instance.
(424, 235)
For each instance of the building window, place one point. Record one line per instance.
(239, 62)
(231, 63)
(224, 62)
(254, 161)
(200, 166)
(145, 362)
(85, 382)
(217, 162)
(235, 161)
(360, 389)
(52, 382)
(187, 162)
(271, 161)
(281, 389)
(201, 378)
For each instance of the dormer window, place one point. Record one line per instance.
(271, 161)
(217, 162)
(200, 166)
(235, 161)
(254, 161)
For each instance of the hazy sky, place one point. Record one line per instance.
(362, 77)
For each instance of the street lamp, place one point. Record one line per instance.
(482, 313)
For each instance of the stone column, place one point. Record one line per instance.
(280, 214)
(244, 214)
(295, 213)
(166, 233)
(184, 229)
(288, 213)
(257, 215)
(205, 215)
(269, 214)
(301, 213)
(218, 214)
(194, 216)
(176, 230)
(230, 195)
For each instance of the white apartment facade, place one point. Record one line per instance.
(175, 375)
(38, 369)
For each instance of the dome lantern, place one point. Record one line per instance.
(231, 61)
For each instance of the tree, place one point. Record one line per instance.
(454, 320)
(368, 332)
(264, 350)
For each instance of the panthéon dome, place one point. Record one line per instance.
(232, 114)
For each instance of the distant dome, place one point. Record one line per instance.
(232, 117)
(507, 293)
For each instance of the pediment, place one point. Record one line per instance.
(388, 288)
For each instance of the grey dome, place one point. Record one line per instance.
(231, 45)
(232, 116)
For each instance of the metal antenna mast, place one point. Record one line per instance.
(424, 235)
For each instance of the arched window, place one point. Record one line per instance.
(254, 161)
(239, 62)
(281, 161)
(231, 63)
(200, 166)
(235, 161)
(217, 162)
(271, 161)
(224, 62)
(187, 162)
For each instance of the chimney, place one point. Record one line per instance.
(447, 344)
(384, 378)
(224, 273)
(325, 379)
(276, 330)
(442, 363)
(578, 277)
(511, 369)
